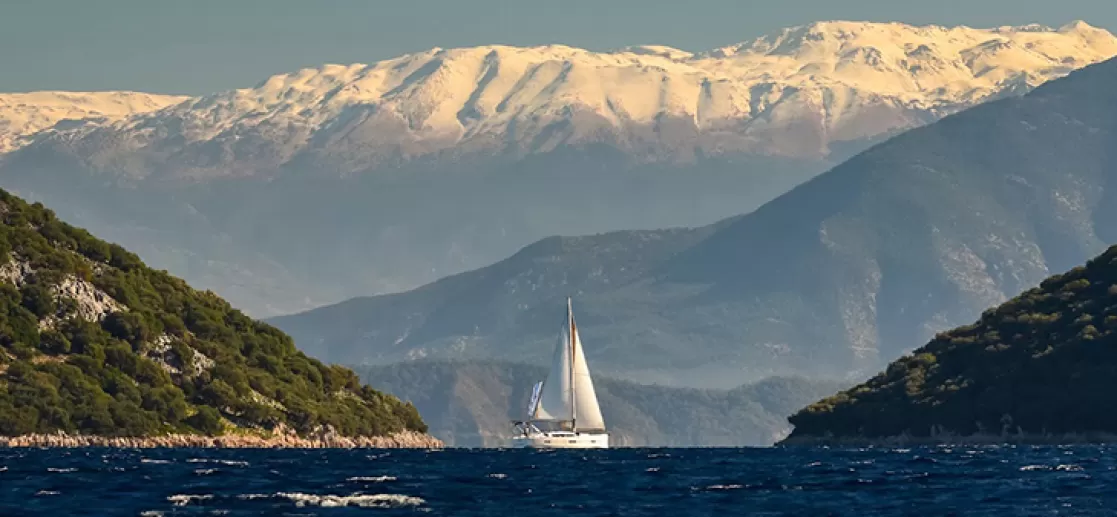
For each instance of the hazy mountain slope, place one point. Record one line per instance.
(94, 342)
(1042, 363)
(23, 115)
(404, 171)
(454, 316)
(472, 403)
(374, 234)
(837, 276)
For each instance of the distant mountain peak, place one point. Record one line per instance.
(664, 51)
(1079, 26)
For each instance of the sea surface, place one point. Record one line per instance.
(1005, 480)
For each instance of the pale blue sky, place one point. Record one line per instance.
(199, 46)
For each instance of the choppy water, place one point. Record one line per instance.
(1073, 480)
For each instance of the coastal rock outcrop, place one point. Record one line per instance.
(286, 440)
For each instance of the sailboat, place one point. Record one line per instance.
(563, 412)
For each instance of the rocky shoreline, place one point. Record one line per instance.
(402, 440)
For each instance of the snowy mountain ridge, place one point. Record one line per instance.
(24, 114)
(792, 93)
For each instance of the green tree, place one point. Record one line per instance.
(54, 342)
(206, 420)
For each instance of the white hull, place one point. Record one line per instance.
(563, 440)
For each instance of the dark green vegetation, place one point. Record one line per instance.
(93, 341)
(840, 275)
(1044, 362)
(471, 403)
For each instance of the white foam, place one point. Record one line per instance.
(253, 497)
(185, 499)
(52, 469)
(47, 492)
(234, 463)
(498, 475)
(339, 501)
(724, 487)
(156, 462)
(372, 479)
(204, 472)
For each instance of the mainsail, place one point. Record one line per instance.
(555, 402)
(568, 394)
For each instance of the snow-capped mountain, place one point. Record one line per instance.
(24, 114)
(794, 93)
(350, 180)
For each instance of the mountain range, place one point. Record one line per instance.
(399, 172)
(472, 404)
(834, 278)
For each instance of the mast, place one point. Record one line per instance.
(573, 393)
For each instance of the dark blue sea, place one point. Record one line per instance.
(1071, 480)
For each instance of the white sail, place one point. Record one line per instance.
(568, 393)
(587, 413)
(555, 401)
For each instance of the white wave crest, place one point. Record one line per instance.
(234, 463)
(372, 479)
(185, 499)
(339, 501)
(253, 497)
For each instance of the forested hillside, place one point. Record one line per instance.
(1043, 363)
(94, 342)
